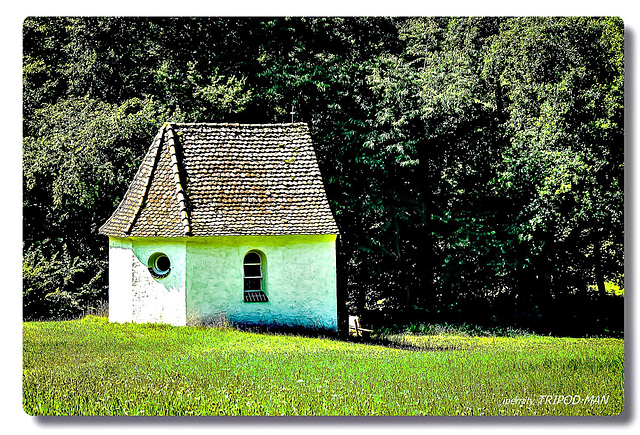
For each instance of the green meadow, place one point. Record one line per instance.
(91, 367)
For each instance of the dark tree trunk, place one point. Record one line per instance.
(408, 301)
(597, 266)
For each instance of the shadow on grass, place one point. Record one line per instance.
(300, 331)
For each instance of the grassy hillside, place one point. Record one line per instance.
(90, 367)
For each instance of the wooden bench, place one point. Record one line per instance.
(356, 329)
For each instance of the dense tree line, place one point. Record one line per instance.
(474, 165)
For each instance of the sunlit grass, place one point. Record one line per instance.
(90, 367)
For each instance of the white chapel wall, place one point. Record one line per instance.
(300, 280)
(120, 287)
(158, 300)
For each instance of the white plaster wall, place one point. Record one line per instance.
(120, 273)
(300, 280)
(158, 300)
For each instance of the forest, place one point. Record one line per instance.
(474, 165)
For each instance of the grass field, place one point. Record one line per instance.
(91, 367)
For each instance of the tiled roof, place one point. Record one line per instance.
(225, 179)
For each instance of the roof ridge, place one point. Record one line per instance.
(182, 203)
(155, 146)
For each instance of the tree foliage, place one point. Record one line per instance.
(470, 162)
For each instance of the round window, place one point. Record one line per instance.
(159, 265)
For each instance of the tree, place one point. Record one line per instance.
(508, 133)
(563, 83)
(77, 166)
(438, 124)
(469, 162)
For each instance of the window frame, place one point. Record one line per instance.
(152, 265)
(260, 294)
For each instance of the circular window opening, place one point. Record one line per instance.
(159, 265)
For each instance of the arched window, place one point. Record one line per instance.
(253, 278)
